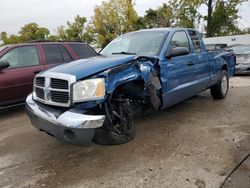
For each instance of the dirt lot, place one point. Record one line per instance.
(194, 144)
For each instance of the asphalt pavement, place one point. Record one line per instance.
(196, 143)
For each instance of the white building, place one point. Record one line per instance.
(229, 40)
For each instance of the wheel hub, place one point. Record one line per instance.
(224, 85)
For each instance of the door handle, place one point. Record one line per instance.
(190, 63)
(36, 71)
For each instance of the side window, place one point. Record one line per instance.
(24, 56)
(179, 39)
(56, 53)
(195, 40)
(83, 50)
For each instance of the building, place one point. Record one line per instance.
(229, 40)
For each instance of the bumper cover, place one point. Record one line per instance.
(69, 126)
(242, 69)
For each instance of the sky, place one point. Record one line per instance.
(53, 13)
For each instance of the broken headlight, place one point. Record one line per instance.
(87, 90)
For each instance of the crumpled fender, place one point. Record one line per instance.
(142, 68)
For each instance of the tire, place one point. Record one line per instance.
(220, 90)
(121, 133)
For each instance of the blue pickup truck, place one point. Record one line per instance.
(96, 99)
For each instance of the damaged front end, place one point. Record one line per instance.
(139, 80)
(129, 88)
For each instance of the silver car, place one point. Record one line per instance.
(242, 53)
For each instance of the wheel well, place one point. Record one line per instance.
(133, 89)
(224, 67)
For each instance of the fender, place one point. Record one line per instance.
(142, 68)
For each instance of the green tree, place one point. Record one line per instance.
(32, 31)
(42, 33)
(185, 13)
(160, 17)
(4, 37)
(61, 33)
(218, 13)
(175, 13)
(13, 39)
(228, 12)
(112, 18)
(28, 32)
(74, 31)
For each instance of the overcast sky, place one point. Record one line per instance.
(53, 13)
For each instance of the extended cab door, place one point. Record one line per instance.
(201, 71)
(16, 81)
(178, 73)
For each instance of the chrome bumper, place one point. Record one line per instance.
(70, 126)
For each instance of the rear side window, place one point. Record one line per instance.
(24, 56)
(83, 50)
(195, 40)
(56, 53)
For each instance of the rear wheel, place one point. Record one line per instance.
(220, 90)
(119, 126)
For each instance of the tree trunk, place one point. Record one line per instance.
(209, 19)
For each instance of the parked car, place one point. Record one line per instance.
(242, 53)
(218, 46)
(96, 98)
(20, 62)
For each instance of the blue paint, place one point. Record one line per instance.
(181, 77)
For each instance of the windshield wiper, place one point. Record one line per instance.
(125, 53)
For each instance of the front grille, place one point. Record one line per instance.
(52, 91)
(59, 96)
(39, 93)
(40, 81)
(59, 84)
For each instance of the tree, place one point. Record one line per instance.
(32, 31)
(4, 37)
(112, 18)
(74, 31)
(217, 12)
(28, 32)
(186, 13)
(177, 13)
(42, 33)
(160, 17)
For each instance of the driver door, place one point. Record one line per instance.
(179, 72)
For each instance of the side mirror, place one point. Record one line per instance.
(4, 64)
(178, 51)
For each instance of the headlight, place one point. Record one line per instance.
(88, 90)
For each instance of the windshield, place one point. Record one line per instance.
(244, 49)
(139, 43)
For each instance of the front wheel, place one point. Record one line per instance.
(220, 90)
(119, 126)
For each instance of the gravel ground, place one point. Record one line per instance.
(196, 143)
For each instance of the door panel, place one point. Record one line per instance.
(178, 73)
(180, 79)
(16, 82)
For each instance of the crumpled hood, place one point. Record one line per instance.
(86, 67)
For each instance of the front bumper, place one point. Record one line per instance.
(70, 126)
